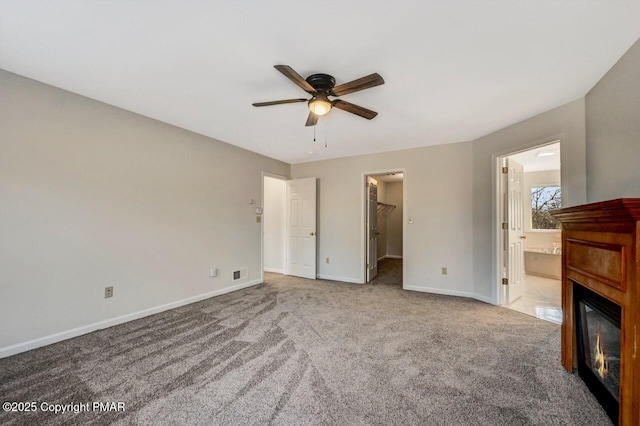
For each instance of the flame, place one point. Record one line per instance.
(602, 365)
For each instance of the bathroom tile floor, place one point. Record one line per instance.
(542, 299)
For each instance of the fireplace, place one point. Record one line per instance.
(601, 302)
(598, 343)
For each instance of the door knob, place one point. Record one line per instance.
(312, 233)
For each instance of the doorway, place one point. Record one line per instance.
(288, 219)
(530, 241)
(384, 228)
(273, 223)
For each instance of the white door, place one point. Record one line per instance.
(514, 234)
(301, 228)
(372, 228)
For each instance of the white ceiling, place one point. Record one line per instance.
(390, 177)
(454, 70)
(532, 161)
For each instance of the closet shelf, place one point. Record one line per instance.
(384, 209)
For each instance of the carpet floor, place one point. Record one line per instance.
(293, 352)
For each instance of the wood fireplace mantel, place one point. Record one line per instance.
(600, 251)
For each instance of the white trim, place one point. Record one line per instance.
(343, 279)
(455, 293)
(440, 291)
(68, 334)
(274, 270)
(482, 298)
(382, 257)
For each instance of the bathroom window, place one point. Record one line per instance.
(543, 200)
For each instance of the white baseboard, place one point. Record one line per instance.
(68, 334)
(439, 291)
(457, 293)
(344, 279)
(381, 258)
(277, 271)
(484, 299)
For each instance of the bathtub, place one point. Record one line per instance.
(543, 263)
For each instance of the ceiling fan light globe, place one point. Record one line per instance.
(319, 106)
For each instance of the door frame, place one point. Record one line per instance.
(364, 198)
(498, 293)
(273, 176)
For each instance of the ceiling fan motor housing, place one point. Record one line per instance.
(323, 83)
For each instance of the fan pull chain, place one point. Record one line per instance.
(314, 133)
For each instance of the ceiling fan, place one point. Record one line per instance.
(320, 87)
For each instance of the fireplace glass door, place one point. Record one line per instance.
(598, 338)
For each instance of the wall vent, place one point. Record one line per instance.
(241, 273)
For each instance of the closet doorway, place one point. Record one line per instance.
(384, 204)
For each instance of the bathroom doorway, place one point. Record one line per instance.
(531, 250)
(384, 199)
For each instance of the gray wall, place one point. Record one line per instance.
(438, 196)
(96, 196)
(613, 131)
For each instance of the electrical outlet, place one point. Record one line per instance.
(108, 292)
(444, 270)
(328, 260)
(213, 272)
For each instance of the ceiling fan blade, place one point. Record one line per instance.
(372, 80)
(286, 101)
(354, 109)
(312, 119)
(295, 77)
